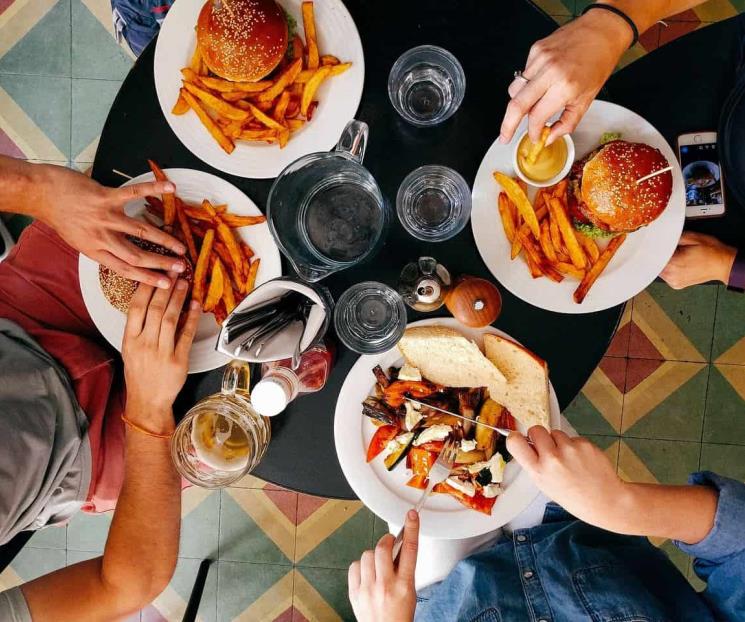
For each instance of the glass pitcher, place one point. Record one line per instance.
(325, 210)
(221, 438)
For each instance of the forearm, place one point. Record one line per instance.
(646, 13)
(19, 181)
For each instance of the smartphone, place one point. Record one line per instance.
(702, 174)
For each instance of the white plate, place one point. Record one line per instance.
(386, 493)
(193, 187)
(338, 97)
(636, 264)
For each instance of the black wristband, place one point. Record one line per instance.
(621, 14)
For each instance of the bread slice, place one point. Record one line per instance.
(446, 357)
(526, 393)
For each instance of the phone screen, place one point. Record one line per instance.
(702, 174)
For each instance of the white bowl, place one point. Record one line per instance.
(556, 178)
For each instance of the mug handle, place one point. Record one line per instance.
(353, 140)
(236, 378)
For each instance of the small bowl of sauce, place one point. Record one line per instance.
(551, 166)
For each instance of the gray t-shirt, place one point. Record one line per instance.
(13, 606)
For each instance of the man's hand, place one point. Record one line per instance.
(156, 358)
(698, 259)
(91, 219)
(566, 70)
(378, 590)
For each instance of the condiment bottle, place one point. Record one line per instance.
(424, 283)
(280, 384)
(474, 301)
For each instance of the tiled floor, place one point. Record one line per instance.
(668, 398)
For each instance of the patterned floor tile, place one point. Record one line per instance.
(31, 563)
(91, 101)
(619, 345)
(36, 39)
(725, 405)
(251, 481)
(321, 595)
(170, 605)
(727, 460)
(652, 461)
(729, 328)
(254, 592)
(88, 532)
(95, 53)
(672, 30)
(598, 407)
(200, 512)
(50, 538)
(257, 525)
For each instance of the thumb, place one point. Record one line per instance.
(521, 451)
(409, 548)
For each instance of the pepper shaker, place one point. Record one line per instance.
(424, 284)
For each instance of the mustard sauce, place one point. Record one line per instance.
(549, 163)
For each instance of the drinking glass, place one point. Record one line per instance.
(222, 438)
(426, 85)
(433, 203)
(370, 317)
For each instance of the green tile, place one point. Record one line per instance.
(200, 528)
(95, 53)
(240, 584)
(46, 101)
(725, 408)
(32, 563)
(343, 546)
(75, 557)
(669, 461)
(587, 419)
(679, 558)
(88, 532)
(729, 328)
(91, 102)
(680, 416)
(726, 460)
(331, 584)
(53, 537)
(696, 583)
(45, 49)
(183, 582)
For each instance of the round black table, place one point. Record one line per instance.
(491, 39)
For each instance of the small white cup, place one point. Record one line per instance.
(556, 178)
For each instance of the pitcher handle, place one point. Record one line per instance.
(353, 140)
(236, 378)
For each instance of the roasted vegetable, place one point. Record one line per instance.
(376, 409)
(380, 440)
(468, 401)
(486, 439)
(395, 457)
(470, 457)
(381, 377)
(394, 394)
(478, 502)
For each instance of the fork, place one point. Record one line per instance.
(439, 472)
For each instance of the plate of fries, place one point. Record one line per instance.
(230, 248)
(255, 129)
(527, 240)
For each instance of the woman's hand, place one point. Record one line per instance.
(378, 590)
(565, 71)
(156, 353)
(698, 259)
(91, 219)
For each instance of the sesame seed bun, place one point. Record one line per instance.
(604, 189)
(242, 40)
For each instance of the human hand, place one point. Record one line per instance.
(573, 472)
(565, 71)
(91, 219)
(378, 590)
(156, 353)
(699, 258)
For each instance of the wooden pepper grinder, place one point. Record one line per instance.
(474, 301)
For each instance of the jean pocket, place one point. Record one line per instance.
(488, 615)
(610, 593)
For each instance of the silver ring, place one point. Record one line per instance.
(518, 75)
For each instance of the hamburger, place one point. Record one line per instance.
(604, 198)
(242, 40)
(118, 289)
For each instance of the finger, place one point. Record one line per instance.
(692, 238)
(155, 311)
(137, 310)
(384, 557)
(132, 254)
(519, 106)
(561, 439)
(125, 194)
(171, 316)
(542, 439)
(516, 86)
(567, 123)
(122, 268)
(520, 450)
(543, 110)
(409, 548)
(367, 568)
(188, 331)
(353, 580)
(146, 231)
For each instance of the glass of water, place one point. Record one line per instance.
(370, 317)
(433, 203)
(426, 85)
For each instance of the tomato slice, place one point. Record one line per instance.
(421, 460)
(381, 438)
(478, 502)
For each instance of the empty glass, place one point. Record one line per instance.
(370, 317)
(426, 85)
(433, 203)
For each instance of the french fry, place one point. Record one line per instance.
(284, 80)
(556, 240)
(180, 107)
(524, 186)
(221, 251)
(280, 108)
(269, 135)
(217, 104)
(298, 49)
(558, 213)
(597, 268)
(169, 199)
(537, 258)
(200, 271)
(195, 64)
(294, 124)
(234, 221)
(226, 86)
(546, 246)
(505, 214)
(560, 190)
(216, 287)
(264, 106)
(568, 268)
(517, 247)
(234, 96)
(590, 246)
(329, 59)
(284, 138)
(188, 236)
(247, 250)
(191, 76)
(309, 25)
(311, 86)
(227, 237)
(519, 198)
(293, 107)
(536, 148)
(220, 313)
(251, 278)
(264, 119)
(307, 74)
(233, 129)
(228, 297)
(212, 127)
(540, 213)
(535, 271)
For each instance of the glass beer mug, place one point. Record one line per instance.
(221, 438)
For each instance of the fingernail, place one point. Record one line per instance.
(181, 284)
(412, 515)
(180, 249)
(164, 284)
(169, 187)
(177, 267)
(195, 304)
(502, 139)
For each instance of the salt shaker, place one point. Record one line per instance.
(424, 284)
